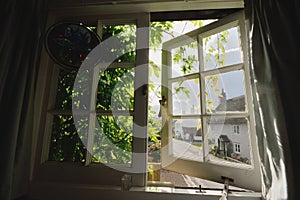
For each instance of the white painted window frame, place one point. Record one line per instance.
(245, 176)
(91, 173)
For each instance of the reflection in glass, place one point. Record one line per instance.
(187, 139)
(222, 49)
(225, 92)
(225, 143)
(185, 60)
(186, 97)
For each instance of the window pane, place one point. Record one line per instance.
(116, 89)
(186, 97)
(222, 49)
(154, 139)
(65, 89)
(187, 139)
(222, 140)
(126, 36)
(113, 140)
(225, 92)
(185, 60)
(66, 143)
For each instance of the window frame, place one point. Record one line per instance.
(90, 173)
(211, 170)
(237, 148)
(51, 171)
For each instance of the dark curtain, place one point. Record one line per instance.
(22, 26)
(274, 46)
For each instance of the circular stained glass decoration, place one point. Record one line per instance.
(68, 44)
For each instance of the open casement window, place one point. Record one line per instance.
(96, 122)
(206, 87)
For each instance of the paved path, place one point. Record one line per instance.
(187, 150)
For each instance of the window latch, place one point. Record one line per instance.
(225, 191)
(162, 102)
(145, 89)
(200, 189)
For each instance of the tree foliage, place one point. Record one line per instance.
(115, 91)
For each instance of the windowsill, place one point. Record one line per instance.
(204, 192)
(76, 191)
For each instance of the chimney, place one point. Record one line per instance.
(222, 97)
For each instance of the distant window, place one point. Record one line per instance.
(236, 129)
(237, 148)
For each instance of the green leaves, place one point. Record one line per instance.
(116, 87)
(156, 33)
(154, 68)
(198, 23)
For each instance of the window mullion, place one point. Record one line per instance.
(222, 69)
(202, 99)
(166, 107)
(100, 29)
(49, 116)
(91, 117)
(139, 141)
(184, 78)
(249, 94)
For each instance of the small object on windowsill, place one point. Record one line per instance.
(201, 190)
(126, 182)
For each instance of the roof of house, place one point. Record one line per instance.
(224, 138)
(233, 104)
(224, 120)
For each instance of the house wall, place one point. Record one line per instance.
(215, 130)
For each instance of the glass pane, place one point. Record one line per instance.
(186, 97)
(126, 37)
(228, 139)
(225, 92)
(116, 89)
(154, 140)
(187, 139)
(222, 49)
(185, 60)
(65, 89)
(113, 140)
(66, 143)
